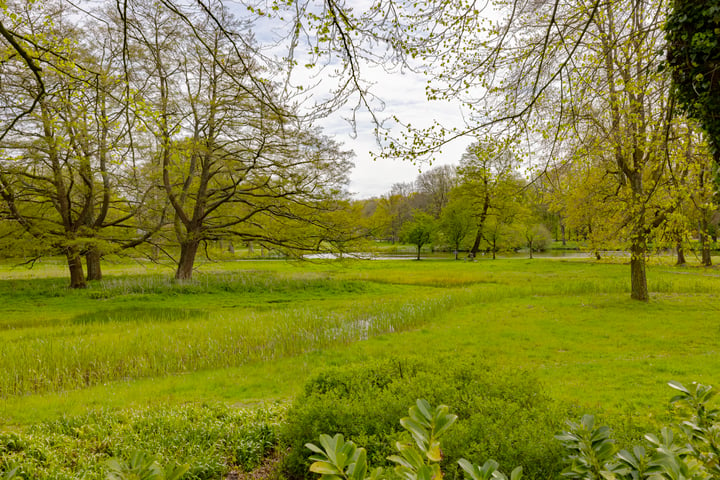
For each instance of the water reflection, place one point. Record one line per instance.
(463, 255)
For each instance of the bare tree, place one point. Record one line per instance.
(436, 185)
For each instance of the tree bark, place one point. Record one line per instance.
(481, 225)
(188, 251)
(476, 243)
(639, 289)
(77, 277)
(680, 253)
(705, 243)
(418, 252)
(94, 269)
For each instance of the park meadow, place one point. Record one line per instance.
(101, 370)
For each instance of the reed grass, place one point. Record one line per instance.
(139, 342)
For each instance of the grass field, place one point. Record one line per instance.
(249, 333)
(228, 334)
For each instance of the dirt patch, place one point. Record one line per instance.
(268, 469)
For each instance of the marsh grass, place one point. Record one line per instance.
(136, 342)
(140, 315)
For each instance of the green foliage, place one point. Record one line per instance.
(418, 461)
(589, 449)
(455, 224)
(190, 442)
(693, 454)
(340, 460)
(693, 53)
(419, 230)
(141, 466)
(537, 237)
(502, 414)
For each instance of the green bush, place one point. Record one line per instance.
(504, 415)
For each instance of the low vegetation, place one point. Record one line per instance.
(149, 371)
(689, 450)
(209, 440)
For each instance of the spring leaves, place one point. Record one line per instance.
(337, 459)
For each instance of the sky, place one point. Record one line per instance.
(403, 95)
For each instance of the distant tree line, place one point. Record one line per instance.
(488, 204)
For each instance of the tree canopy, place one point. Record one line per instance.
(693, 54)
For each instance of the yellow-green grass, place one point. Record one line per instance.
(245, 332)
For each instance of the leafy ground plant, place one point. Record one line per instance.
(691, 451)
(142, 466)
(190, 442)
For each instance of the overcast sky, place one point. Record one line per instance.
(403, 96)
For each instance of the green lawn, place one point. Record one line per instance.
(244, 333)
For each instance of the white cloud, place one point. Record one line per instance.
(403, 96)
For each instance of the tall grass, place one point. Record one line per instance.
(138, 343)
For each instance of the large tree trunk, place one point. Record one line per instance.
(188, 251)
(476, 243)
(94, 270)
(680, 253)
(638, 279)
(418, 252)
(480, 226)
(77, 277)
(705, 243)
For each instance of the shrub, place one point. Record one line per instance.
(504, 415)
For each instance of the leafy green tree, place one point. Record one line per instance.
(394, 209)
(693, 54)
(62, 161)
(537, 237)
(418, 231)
(455, 224)
(619, 117)
(487, 177)
(234, 160)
